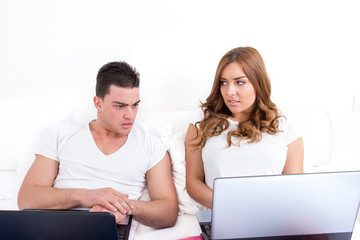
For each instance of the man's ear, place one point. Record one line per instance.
(98, 102)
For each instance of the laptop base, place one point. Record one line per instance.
(329, 236)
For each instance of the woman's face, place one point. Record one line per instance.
(237, 91)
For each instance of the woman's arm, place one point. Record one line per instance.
(195, 176)
(295, 157)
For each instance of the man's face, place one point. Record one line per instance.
(118, 109)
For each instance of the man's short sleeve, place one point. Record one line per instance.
(154, 149)
(48, 144)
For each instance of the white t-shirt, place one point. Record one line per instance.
(266, 157)
(83, 165)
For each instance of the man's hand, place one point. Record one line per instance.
(108, 198)
(119, 217)
(39, 182)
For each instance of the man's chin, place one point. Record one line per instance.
(124, 132)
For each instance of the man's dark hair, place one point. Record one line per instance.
(120, 74)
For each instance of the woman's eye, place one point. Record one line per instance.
(240, 82)
(223, 83)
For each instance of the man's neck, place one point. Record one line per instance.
(107, 141)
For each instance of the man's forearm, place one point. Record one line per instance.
(35, 196)
(157, 213)
(42, 197)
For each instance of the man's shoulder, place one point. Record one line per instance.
(142, 134)
(152, 145)
(65, 129)
(149, 137)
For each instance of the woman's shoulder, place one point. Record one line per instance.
(197, 115)
(287, 121)
(283, 121)
(292, 128)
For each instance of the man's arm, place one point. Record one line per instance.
(162, 210)
(37, 191)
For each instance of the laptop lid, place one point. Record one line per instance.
(316, 204)
(57, 224)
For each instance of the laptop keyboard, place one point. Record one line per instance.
(123, 234)
(206, 230)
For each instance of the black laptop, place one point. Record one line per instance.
(61, 224)
(314, 206)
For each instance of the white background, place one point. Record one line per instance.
(50, 51)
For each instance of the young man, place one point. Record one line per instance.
(105, 164)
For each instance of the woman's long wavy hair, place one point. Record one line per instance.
(264, 116)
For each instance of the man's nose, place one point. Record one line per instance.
(129, 113)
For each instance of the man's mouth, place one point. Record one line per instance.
(127, 125)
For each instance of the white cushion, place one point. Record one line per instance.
(316, 132)
(177, 154)
(36, 125)
(186, 226)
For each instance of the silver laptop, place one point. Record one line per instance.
(298, 206)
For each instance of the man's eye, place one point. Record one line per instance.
(119, 106)
(135, 105)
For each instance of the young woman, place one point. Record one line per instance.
(239, 130)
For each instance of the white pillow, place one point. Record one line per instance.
(41, 121)
(177, 153)
(37, 123)
(175, 143)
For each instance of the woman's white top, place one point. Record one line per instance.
(266, 157)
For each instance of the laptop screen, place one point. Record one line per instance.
(57, 224)
(285, 205)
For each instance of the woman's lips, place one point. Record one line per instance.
(233, 102)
